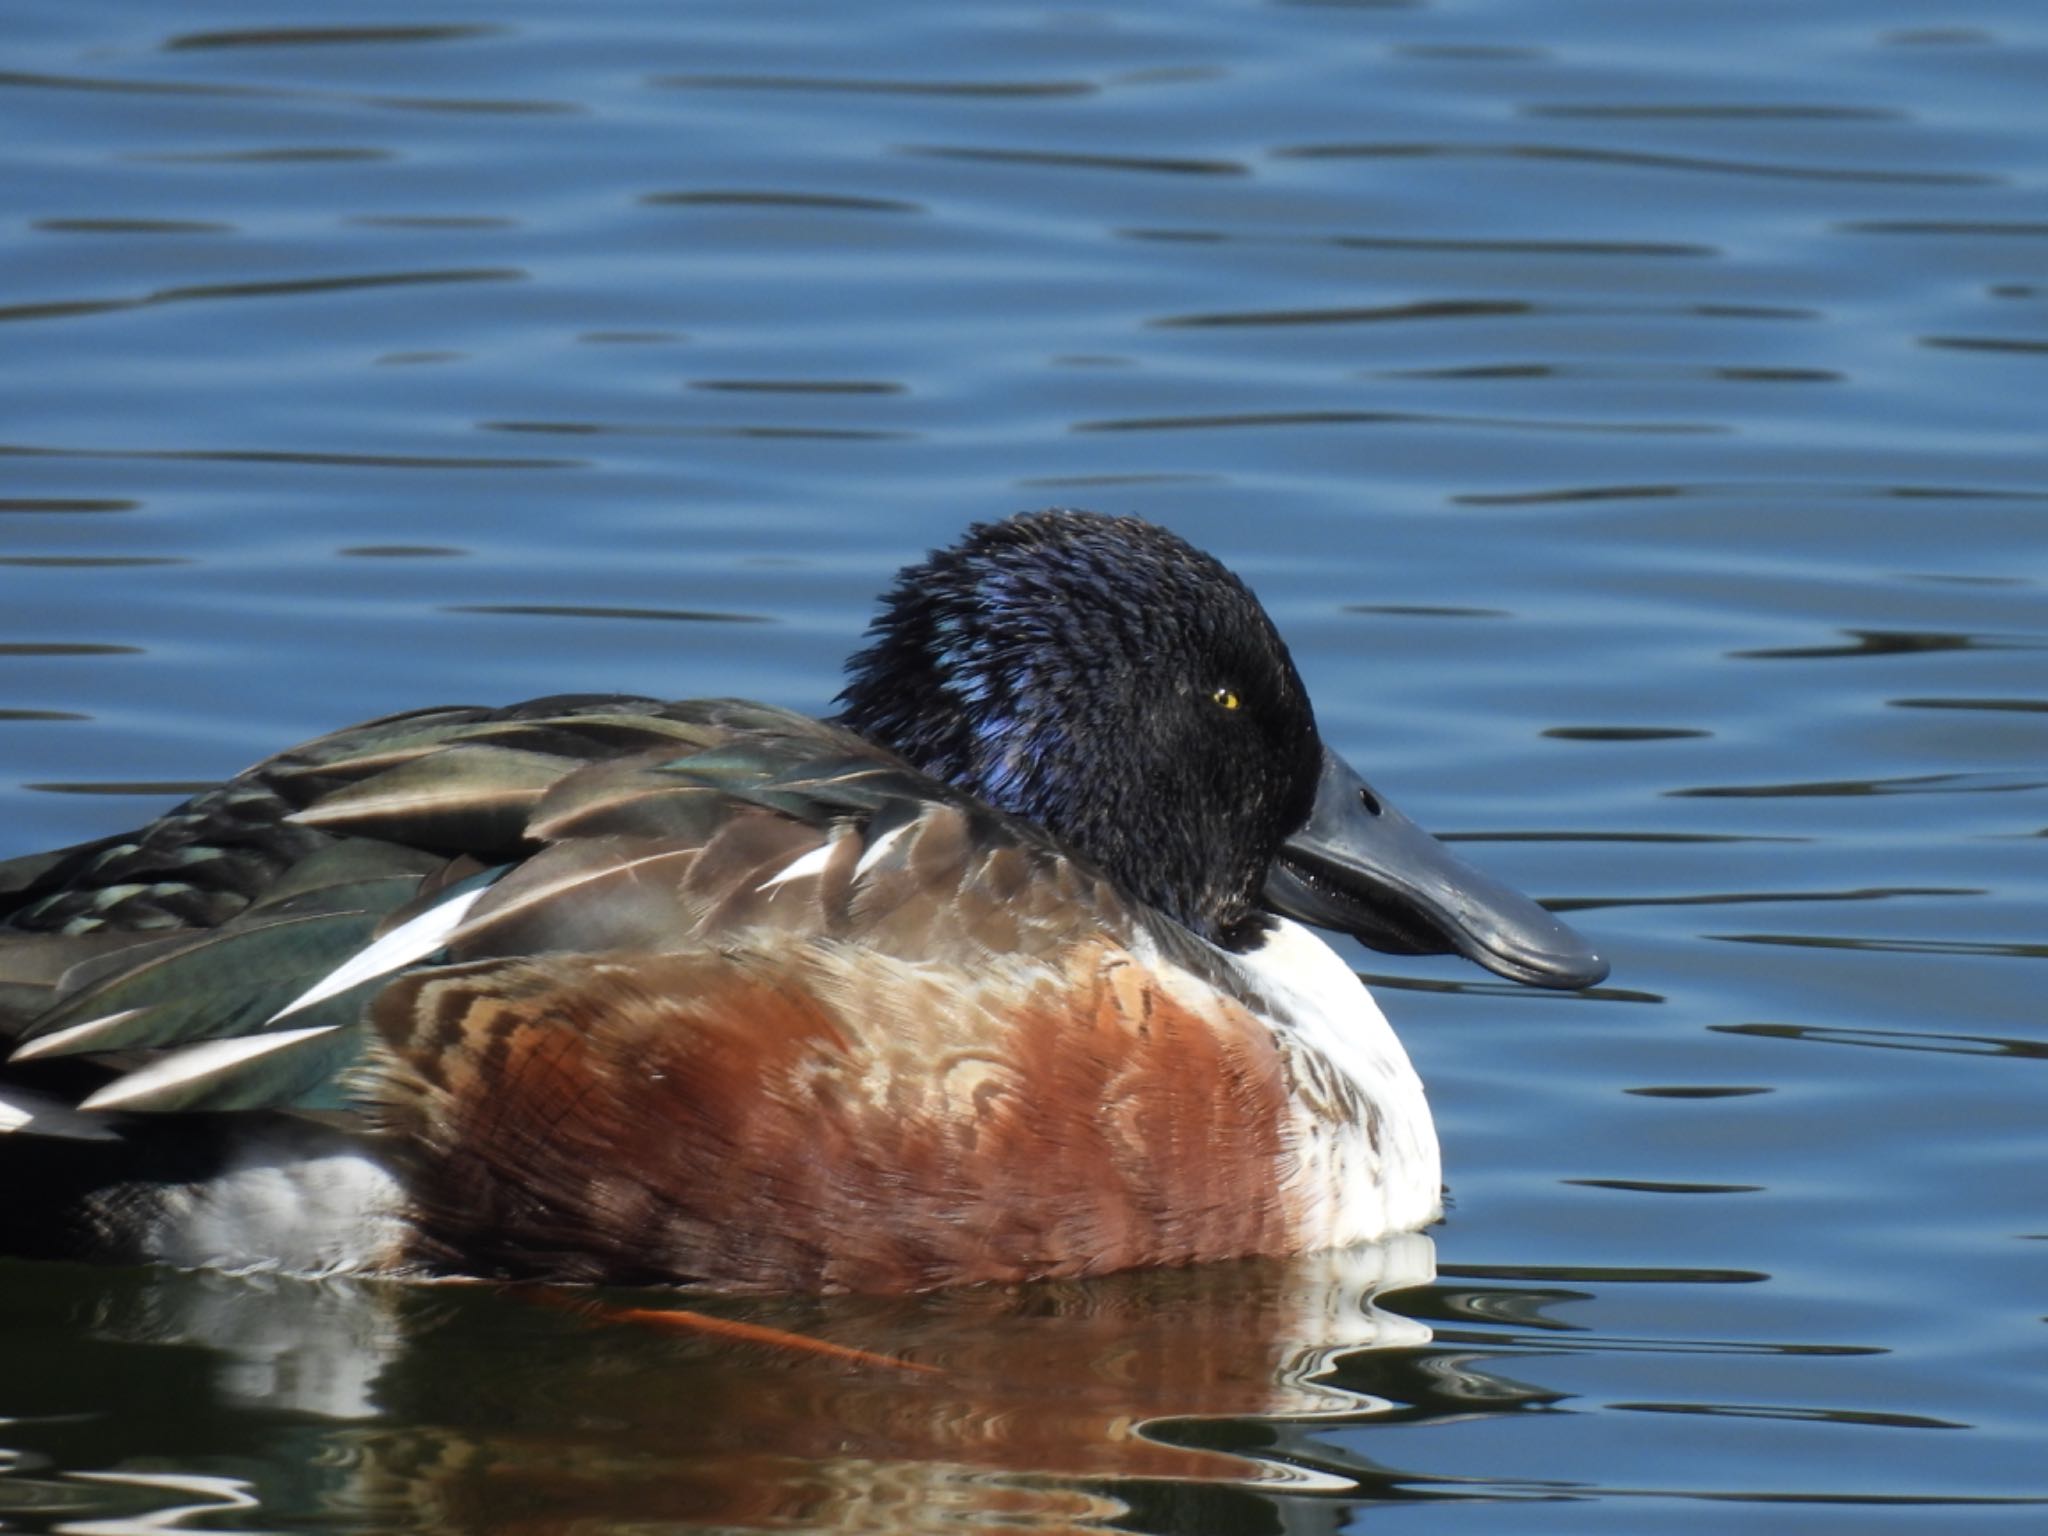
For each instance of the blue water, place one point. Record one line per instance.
(1633, 415)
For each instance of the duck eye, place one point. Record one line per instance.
(1224, 698)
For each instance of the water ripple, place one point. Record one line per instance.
(1905, 784)
(1665, 1187)
(1643, 160)
(1427, 611)
(1614, 837)
(65, 648)
(327, 37)
(1993, 706)
(29, 80)
(1758, 490)
(1000, 90)
(1969, 229)
(1449, 244)
(291, 456)
(90, 562)
(482, 106)
(1067, 160)
(1395, 418)
(1741, 112)
(496, 105)
(809, 202)
(1888, 1039)
(1371, 314)
(133, 227)
(1624, 733)
(284, 154)
(595, 611)
(2026, 345)
(1855, 1417)
(68, 504)
(1982, 948)
(1064, 482)
(770, 433)
(1760, 898)
(1894, 642)
(801, 386)
(1604, 1274)
(432, 221)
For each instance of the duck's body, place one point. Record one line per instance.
(613, 989)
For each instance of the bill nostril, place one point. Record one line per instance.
(1367, 799)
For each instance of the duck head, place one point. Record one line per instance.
(1103, 678)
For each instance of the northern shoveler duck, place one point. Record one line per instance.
(991, 977)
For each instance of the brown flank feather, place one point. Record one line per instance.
(814, 1116)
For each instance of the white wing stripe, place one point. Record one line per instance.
(73, 1037)
(877, 849)
(410, 941)
(811, 863)
(196, 1062)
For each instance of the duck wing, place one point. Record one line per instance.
(223, 957)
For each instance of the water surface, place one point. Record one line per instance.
(1631, 415)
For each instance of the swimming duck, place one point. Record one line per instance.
(1000, 974)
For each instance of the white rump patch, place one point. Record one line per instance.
(280, 1210)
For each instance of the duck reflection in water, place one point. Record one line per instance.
(1059, 1405)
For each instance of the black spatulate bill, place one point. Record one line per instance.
(1361, 867)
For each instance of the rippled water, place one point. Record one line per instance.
(1634, 417)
